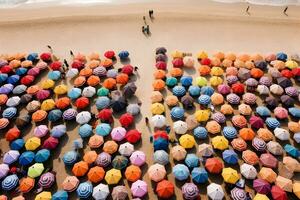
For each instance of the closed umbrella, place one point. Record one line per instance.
(215, 191)
(10, 182)
(181, 172)
(46, 180)
(139, 188)
(84, 190)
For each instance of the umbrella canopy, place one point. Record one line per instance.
(230, 157)
(133, 173)
(26, 184)
(138, 158)
(42, 155)
(83, 117)
(267, 174)
(4, 169)
(58, 131)
(187, 141)
(238, 194)
(17, 144)
(39, 115)
(180, 127)
(157, 172)
(40, 131)
(205, 150)
(118, 133)
(113, 176)
(292, 151)
(46, 180)
(248, 171)
(261, 186)
(139, 188)
(275, 148)
(126, 149)
(80, 168)
(12, 134)
(70, 183)
(133, 109)
(177, 113)
(110, 147)
(13, 101)
(192, 160)
(259, 144)
(256, 122)
(70, 157)
(278, 193)
(11, 156)
(214, 165)
(119, 162)
(215, 191)
(44, 196)
(165, 189)
(60, 195)
(296, 189)
(181, 172)
(100, 192)
(90, 157)
(230, 175)
(199, 175)
(35, 170)
(190, 191)
(119, 192)
(284, 183)
(229, 132)
(10, 182)
(250, 157)
(272, 123)
(202, 115)
(161, 157)
(26, 158)
(95, 141)
(178, 152)
(50, 143)
(220, 142)
(63, 102)
(281, 134)
(158, 121)
(84, 190)
(85, 130)
(118, 104)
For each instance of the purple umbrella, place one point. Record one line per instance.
(259, 144)
(34, 71)
(11, 157)
(256, 122)
(6, 89)
(40, 131)
(219, 117)
(291, 91)
(103, 159)
(139, 188)
(138, 158)
(118, 133)
(99, 71)
(190, 191)
(42, 94)
(232, 79)
(261, 186)
(251, 82)
(233, 99)
(4, 169)
(70, 114)
(47, 180)
(238, 194)
(264, 80)
(224, 89)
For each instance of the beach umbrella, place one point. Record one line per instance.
(3, 77)
(178, 153)
(96, 174)
(165, 189)
(208, 90)
(93, 80)
(46, 180)
(118, 103)
(230, 157)
(133, 173)
(190, 191)
(102, 92)
(100, 192)
(126, 120)
(3, 99)
(278, 193)
(267, 174)
(13, 101)
(181, 172)
(157, 172)
(284, 183)
(161, 157)
(133, 136)
(214, 165)
(26, 184)
(74, 93)
(187, 141)
(180, 127)
(275, 148)
(272, 123)
(199, 175)
(250, 157)
(9, 112)
(284, 82)
(219, 142)
(26, 158)
(113, 176)
(295, 112)
(12, 134)
(248, 171)
(119, 162)
(42, 155)
(268, 160)
(11, 156)
(83, 117)
(239, 121)
(171, 81)
(34, 106)
(85, 130)
(70, 183)
(259, 144)
(133, 109)
(40, 131)
(186, 81)
(47, 84)
(271, 102)
(200, 132)
(276, 89)
(256, 122)
(238, 194)
(158, 121)
(54, 75)
(287, 101)
(103, 129)
(204, 99)
(110, 147)
(28, 80)
(261, 186)
(179, 91)
(119, 192)
(95, 141)
(202, 115)
(84, 190)
(50, 143)
(263, 111)
(139, 188)
(230, 175)
(291, 150)
(291, 91)
(80, 168)
(263, 90)
(58, 130)
(44, 196)
(3, 123)
(217, 99)
(70, 157)
(100, 71)
(194, 90)
(47, 105)
(10, 182)
(17, 144)
(224, 89)
(90, 157)
(60, 195)
(6, 89)
(35, 170)
(126, 149)
(213, 127)
(177, 113)
(4, 169)
(25, 98)
(118, 133)
(215, 191)
(138, 158)
(229, 132)
(281, 134)
(296, 189)
(245, 109)
(205, 150)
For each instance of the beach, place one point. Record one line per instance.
(187, 26)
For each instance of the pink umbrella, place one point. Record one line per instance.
(138, 158)
(281, 113)
(50, 143)
(118, 133)
(256, 122)
(268, 160)
(42, 94)
(261, 186)
(34, 71)
(40, 131)
(139, 188)
(224, 89)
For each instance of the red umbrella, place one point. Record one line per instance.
(296, 71)
(42, 94)
(6, 69)
(165, 189)
(126, 120)
(46, 56)
(12, 134)
(161, 134)
(238, 88)
(205, 61)
(27, 80)
(82, 102)
(50, 143)
(261, 186)
(77, 64)
(214, 165)
(133, 136)
(287, 73)
(256, 122)
(127, 69)
(56, 65)
(177, 62)
(109, 54)
(105, 114)
(278, 193)
(161, 65)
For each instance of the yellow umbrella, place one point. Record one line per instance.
(296, 189)
(157, 109)
(61, 89)
(202, 55)
(230, 175)
(291, 64)
(220, 142)
(187, 141)
(43, 196)
(216, 71)
(113, 176)
(260, 197)
(32, 143)
(177, 54)
(201, 81)
(48, 104)
(202, 115)
(215, 81)
(47, 84)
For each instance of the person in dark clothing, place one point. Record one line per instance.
(285, 10)
(247, 10)
(147, 121)
(144, 19)
(151, 14)
(148, 30)
(136, 68)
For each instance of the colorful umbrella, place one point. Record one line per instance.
(199, 175)
(11, 156)
(138, 158)
(139, 188)
(26, 184)
(10, 182)
(181, 172)
(46, 180)
(113, 176)
(103, 159)
(84, 190)
(215, 191)
(35, 170)
(157, 172)
(70, 183)
(261, 186)
(248, 171)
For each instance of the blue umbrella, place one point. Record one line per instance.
(208, 90)
(194, 90)
(14, 79)
(102, 102)
(21, 71)
(186, 81)
(9, 112)
(181, 172)
(32, 57)
(26, 158)
(85, 130)
(55, 115)
(229, 132)
(58, 130)
(297, 137)
(191, 160)
(70, 157)
(3, 77)
(123, 55)
(84, 190)
(199, 175)
(272, 122)
(177, 112)
(54, 75)
(230, 157)
(204, 99)
(200, 132)
(171, 81)
(263, 111)
(161, 144)
(161, 157)
(281, 56)
(74, 93)
(17, 144)
(60, 195)
(6, 89)
(179, 91)
(292, 151)
(10, 182)
(19, 89)
(295, 112)
(103, 129)
(42, 155)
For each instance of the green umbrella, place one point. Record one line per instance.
(119, 162)
(35, 170)
(102, 92)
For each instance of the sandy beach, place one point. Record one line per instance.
(189, 26)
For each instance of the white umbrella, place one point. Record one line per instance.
(158, 121)
(276, 89)
(248, 171)
(180, 127)
(13, 101)
(100, 192)
(157, 172)
(83, 117)
(263, 90)
(71, 73)
(215, 191)
(133, 109)
(88, 91)
(275, 148)
(281, 134)
(205, 150)
(126, 149)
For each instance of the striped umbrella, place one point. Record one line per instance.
(100, 71)
(229, 132)
(239, 144)
(179, 91)
(291, 91)
(272, 122)
(10, 182)
(251, 82)
(219, 117)
(13, 101)
(69, 114)
(84, 190)
(204, 99)
(3, 123)
(238, 194)
(190, 191)
(70, 157)
(177, 113)
(4, 169)
(233, 99)
(46, 180)
(249, 98)
(9, 112)
(103, 159)
(259, 144)
(231, 79)
(264, 80)
(239, 121)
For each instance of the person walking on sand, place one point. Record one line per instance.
(151, 14)
(247, 10)
(147, 121)
(144, 19)
(148, 30)
(285, 10)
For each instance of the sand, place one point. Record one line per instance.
(189, 26)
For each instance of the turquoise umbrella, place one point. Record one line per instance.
(181, 172)
(85, 130)
(60, 195)
(199, 175)
(21, 71)
(26, 158)
(292, 151)
(54, 75)
(208, 90)
(54, 115)
(42, 155)
(74, 93)
(3, 77)
(171, 81)
(194, 90)
(103, 129)
(191, 160)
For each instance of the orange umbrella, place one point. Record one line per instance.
(250, 157)
(26, 184)
(256, 73)
(3, 99)
(267, 174)
(238, 64)
(33, 89)
(122, 78)
(165, 189)
(257, 57)
(158, 84)
(227, 63)
(70, 183)
(12, 134)
(159, 74)
(247, 134)
(63, 102)
(133, 173)
(80, 168)
(95, 141)
(204, 70)
(93, 64)
(93, 80)
(110, 147)
(265, 134)
(106, 62)
(214, 165)
(96, 174)
(90, 157)
(176, 72)
(219, 55)
(230, 56)
(244, 57)
(39, 115)
(79, 81)
(109, 83)
(86, 72)
(94, 56)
